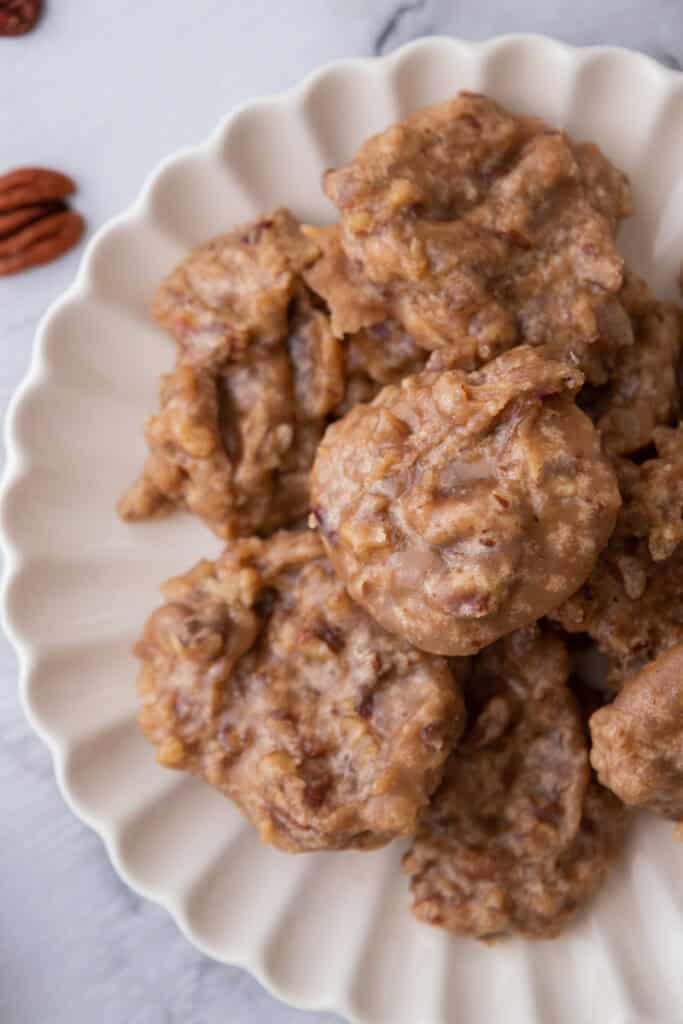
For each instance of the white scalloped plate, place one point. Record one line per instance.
(328, 931)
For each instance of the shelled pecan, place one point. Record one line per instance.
(17, 17)
(36, 225)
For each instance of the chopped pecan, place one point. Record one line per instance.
(36, 225)
(19, 16)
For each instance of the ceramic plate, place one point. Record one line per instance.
(328, 930)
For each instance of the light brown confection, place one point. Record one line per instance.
(656, 497)
(258, 376)
(353, 302)
(518, 836)
(643, 386)
(261, 676)
(632, 603)
(638, 739)
(478, 230)
(376, 356)
(233, 293)
(234, 442)
(377, 349)
(458, 507)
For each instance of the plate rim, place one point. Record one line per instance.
(35, 378)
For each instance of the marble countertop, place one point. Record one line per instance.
(104, 91)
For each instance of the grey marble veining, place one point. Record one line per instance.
(104, 90)
(654, 28)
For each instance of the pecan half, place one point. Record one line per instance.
(40, 242)
(36, 225)
(28, 185)
(19, 16)
(15, 219)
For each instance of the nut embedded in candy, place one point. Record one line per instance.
(459, 507)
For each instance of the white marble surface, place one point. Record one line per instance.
(104, 90)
